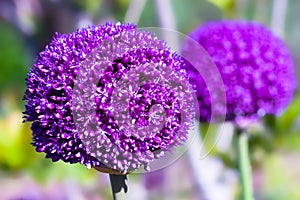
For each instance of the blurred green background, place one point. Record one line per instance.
(26, 26)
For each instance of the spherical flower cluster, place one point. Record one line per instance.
(256, 68)
(79, 108)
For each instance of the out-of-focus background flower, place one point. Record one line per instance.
(26, 26)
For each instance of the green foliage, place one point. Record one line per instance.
(13, 58)
(284, 129)
(149, 17)
(192, 13)
(15, 150)
(281, 177)
(90, 6)
(44, 170)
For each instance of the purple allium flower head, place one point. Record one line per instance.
(92, 94)
(256, 68)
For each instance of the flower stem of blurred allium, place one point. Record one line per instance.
(244, 165)
(118, 186)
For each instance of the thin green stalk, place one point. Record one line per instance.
(118, 186)
(244, 165)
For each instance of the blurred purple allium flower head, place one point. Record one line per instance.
(255, 65)
(108, 95)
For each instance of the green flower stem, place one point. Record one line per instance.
(118, 186)
(244, 165)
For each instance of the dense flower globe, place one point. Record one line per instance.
(79, 111)
(255, 65)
